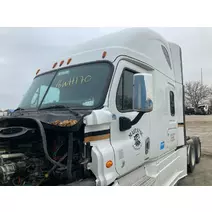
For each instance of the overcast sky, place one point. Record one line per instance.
(24, 50)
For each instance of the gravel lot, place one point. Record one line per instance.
(200, 126)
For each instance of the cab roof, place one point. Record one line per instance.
(140, 43)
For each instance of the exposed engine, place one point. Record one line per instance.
(37, 153)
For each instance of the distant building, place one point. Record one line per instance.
(6, 112)
(10, 111)
(3, 112)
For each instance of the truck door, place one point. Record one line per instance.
(132, 146)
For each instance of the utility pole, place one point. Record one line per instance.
(201, 77)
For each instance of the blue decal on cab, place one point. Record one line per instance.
(162, 145)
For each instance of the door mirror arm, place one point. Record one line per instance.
(126, 123)
(137, 118)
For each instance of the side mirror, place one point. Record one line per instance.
(142, 92)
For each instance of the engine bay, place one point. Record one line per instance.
(35, 153)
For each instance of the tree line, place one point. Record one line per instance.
(196, 92)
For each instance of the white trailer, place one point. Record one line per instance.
(133, 119)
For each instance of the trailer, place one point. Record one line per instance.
(109, 114)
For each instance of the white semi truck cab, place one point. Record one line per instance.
(111, 113)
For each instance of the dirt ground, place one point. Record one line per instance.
(200, 126)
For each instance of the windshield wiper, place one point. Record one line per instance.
(60, 106)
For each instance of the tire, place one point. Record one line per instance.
(192, 158)
(197, 145)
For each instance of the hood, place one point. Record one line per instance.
(51, 119)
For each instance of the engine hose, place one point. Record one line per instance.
(52, 169)
(43, 136)
(70, 153)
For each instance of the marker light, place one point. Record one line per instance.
(61, 63)
(109, 163)
(69, 60)
(37, 72)
(54, 65)
(104, 54)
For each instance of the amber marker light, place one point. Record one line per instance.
(61, 63)
(69, 60)
(37, 72)
(109, 163)
(55, 64)
(104, 54)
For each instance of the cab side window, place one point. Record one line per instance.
(166, 54)
(172, 103)
(124, 98)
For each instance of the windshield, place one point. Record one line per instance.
(83, 86)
